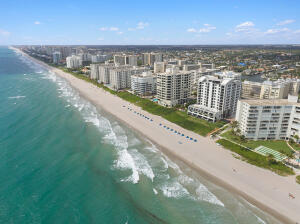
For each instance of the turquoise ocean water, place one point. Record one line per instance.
(64, 161)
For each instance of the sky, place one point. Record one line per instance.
(118, 22)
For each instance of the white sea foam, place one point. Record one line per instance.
(260, 220)
(142, 164)
(16, 97)
(174, 189)
(126, 161)
(205, 195)
(172, 164)
(153, 147)
(165, 163)
(184, 179)
(112, 135)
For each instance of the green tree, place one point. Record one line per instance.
(271, 159)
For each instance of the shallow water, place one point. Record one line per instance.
(64, 161)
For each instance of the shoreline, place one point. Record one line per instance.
(262, 188)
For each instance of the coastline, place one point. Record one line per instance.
(210, 160)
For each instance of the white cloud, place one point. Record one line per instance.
(109, 28)
(297, 31)
(37, 22)
(206, 29)
(113, 28)
(274, 31)
(285, 22)
(4, 33)
(191, 30)
(100, 38)
(245, 27)
(141, 25)
(120, 33)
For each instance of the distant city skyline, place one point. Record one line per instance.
(149, 23)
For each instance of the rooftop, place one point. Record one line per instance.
(271, 102)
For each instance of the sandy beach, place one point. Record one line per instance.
(262, 188)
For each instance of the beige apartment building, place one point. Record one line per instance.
(173, 87)
(279, 89)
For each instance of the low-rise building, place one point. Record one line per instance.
(191, 67)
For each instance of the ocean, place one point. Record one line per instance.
(65, 161)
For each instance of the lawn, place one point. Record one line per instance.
(298, 179)
(257, 159)
(180, 118)
(278, 145)
(295, 146)
(199, 126)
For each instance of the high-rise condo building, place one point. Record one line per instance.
(269, 118)
(279, 89)
(148, 59)
(74, 61)
(158, 57)
(94, 71)
(173, 87)
(132, 60)
(159, 67)
(120, 59)
(143, 84)
(120, 78)
(56, 57)
(217, 96)
(104, 73)
(98, 58)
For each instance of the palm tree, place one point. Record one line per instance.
(243, 138)
(234, 124)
